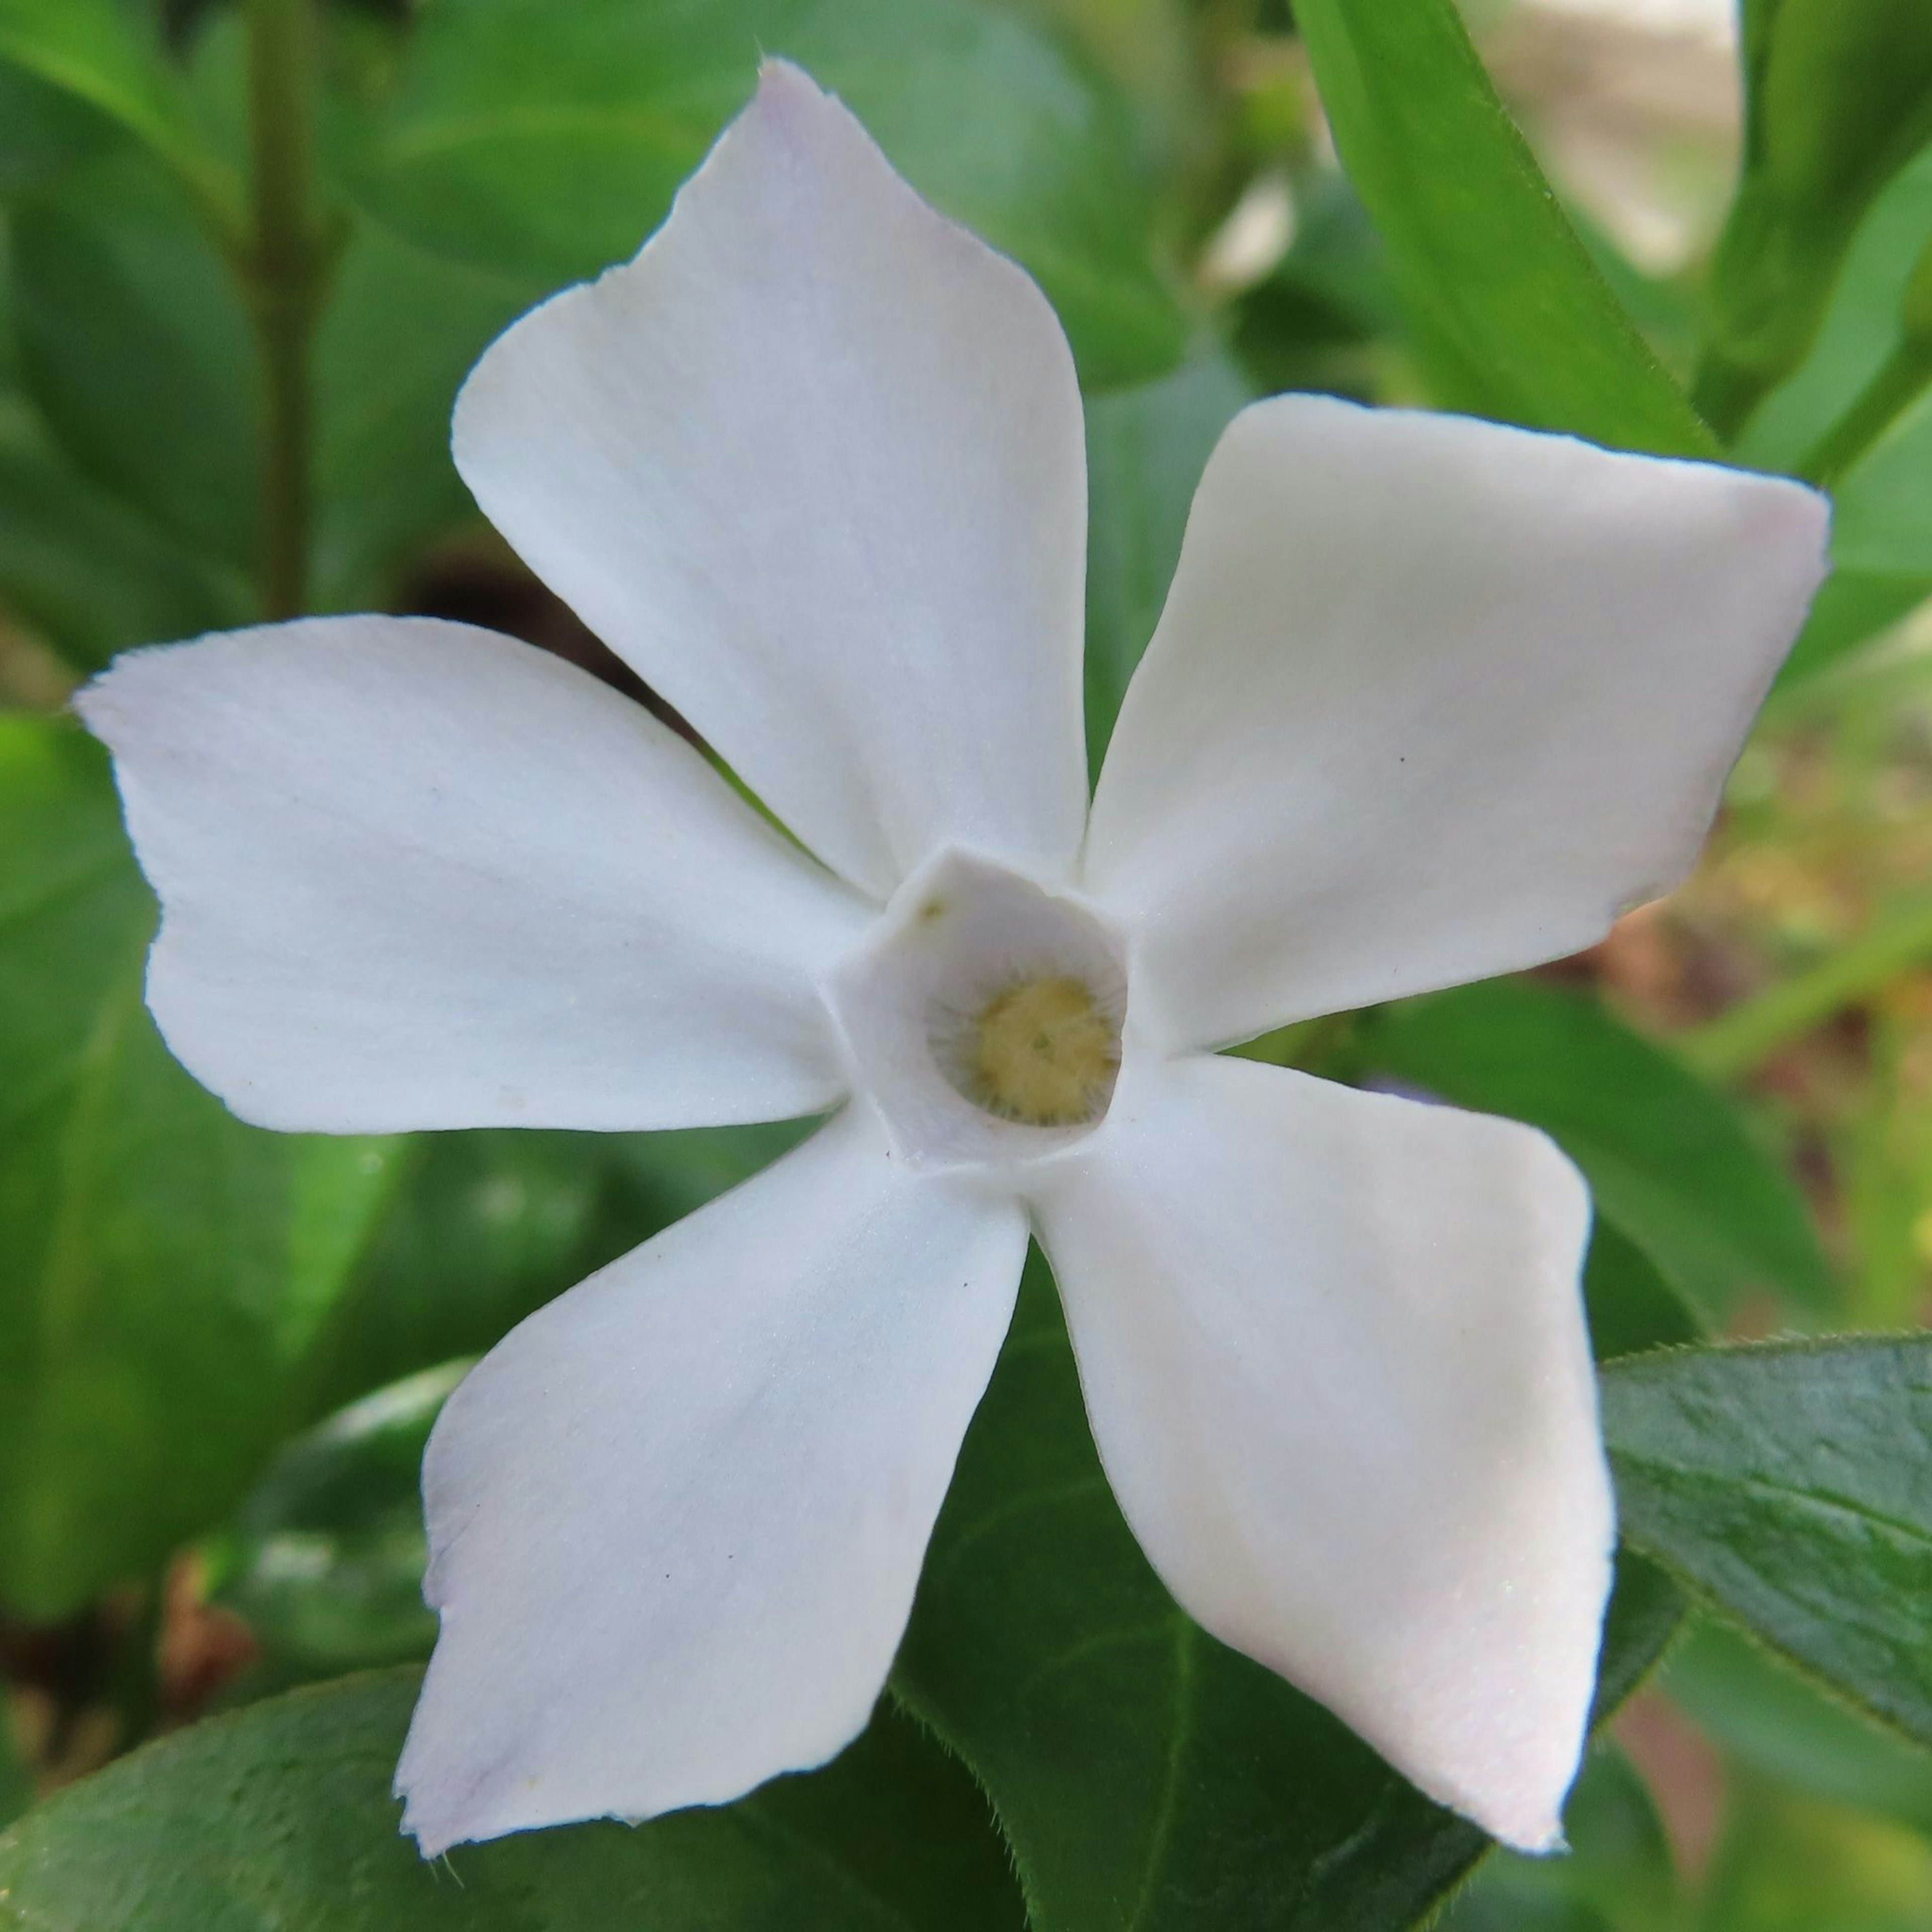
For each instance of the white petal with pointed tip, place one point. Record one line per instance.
(677, 1518)
(1431, 699)
(813, 464)
(417, 875)
(1333, 1347)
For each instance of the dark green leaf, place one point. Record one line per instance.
(90, 576)
(280, 1817)
(163, 1270)
(1768, 1719)
(136, 346)
(1146, 448)
(1791, 1483)
(483, 1227)
(324, 1561)
(547, 142)
(1668, 1158)
(1838, 97)
(1148, 1777)
(1511, 317)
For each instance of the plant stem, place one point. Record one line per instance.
(1742, 1040)
(285, 271)
(1904, 377)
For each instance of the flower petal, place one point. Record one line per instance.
(416, 875)
(812, 463)
(678, 1516)
(1431, 699)
(1333, 1346)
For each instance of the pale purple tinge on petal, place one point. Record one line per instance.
(813, 464)
(1333, 1348)
(677, 1517)
(415, 875)
(1432, 699)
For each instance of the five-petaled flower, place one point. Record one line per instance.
(1431, 699)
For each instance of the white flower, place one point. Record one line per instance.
(1431, 700)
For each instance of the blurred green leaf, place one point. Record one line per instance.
(1791, 1483)
(1148, 1777)
(1631, 1307)
(107, 53)
(1512, 319)
(163, 1270)
(1146, 448)
(547, 142)
(281, 1816)
(324, 1560)
(1617, 1877)
(1789, 1864)
(1668, 1158)
(136, 346)
(1838, 97)
(1767, 1718)
(16, 1784)
(402, 330)
(43, 129)
(1854, 607)
(1862, 326)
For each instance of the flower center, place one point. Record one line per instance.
(1044, 1052)
(984, 1015)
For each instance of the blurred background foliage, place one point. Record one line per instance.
(238, 291)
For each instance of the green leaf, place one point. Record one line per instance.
(1146, 1776)
(403, 329)
(279, 1816)
(484, 1226)
(324, 1561)
(1631, 1307)
(547, 142)
(1513, 319)
(89, 575)
(1855, 607)
(105, 53)
(43, 129)
(136, 348)
(1791, 1483)
(1882, 524)
(163, 1270)
(1838, 97)
(1769, 1720)
(1617, 1877)
(1668, 1158)
(1146, 448)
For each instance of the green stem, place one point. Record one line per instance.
(1902, 379)
(1743, 1039)
(285, 271)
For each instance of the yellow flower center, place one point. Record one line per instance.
(1044, 1053)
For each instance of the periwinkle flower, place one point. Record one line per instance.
(1432, 699)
